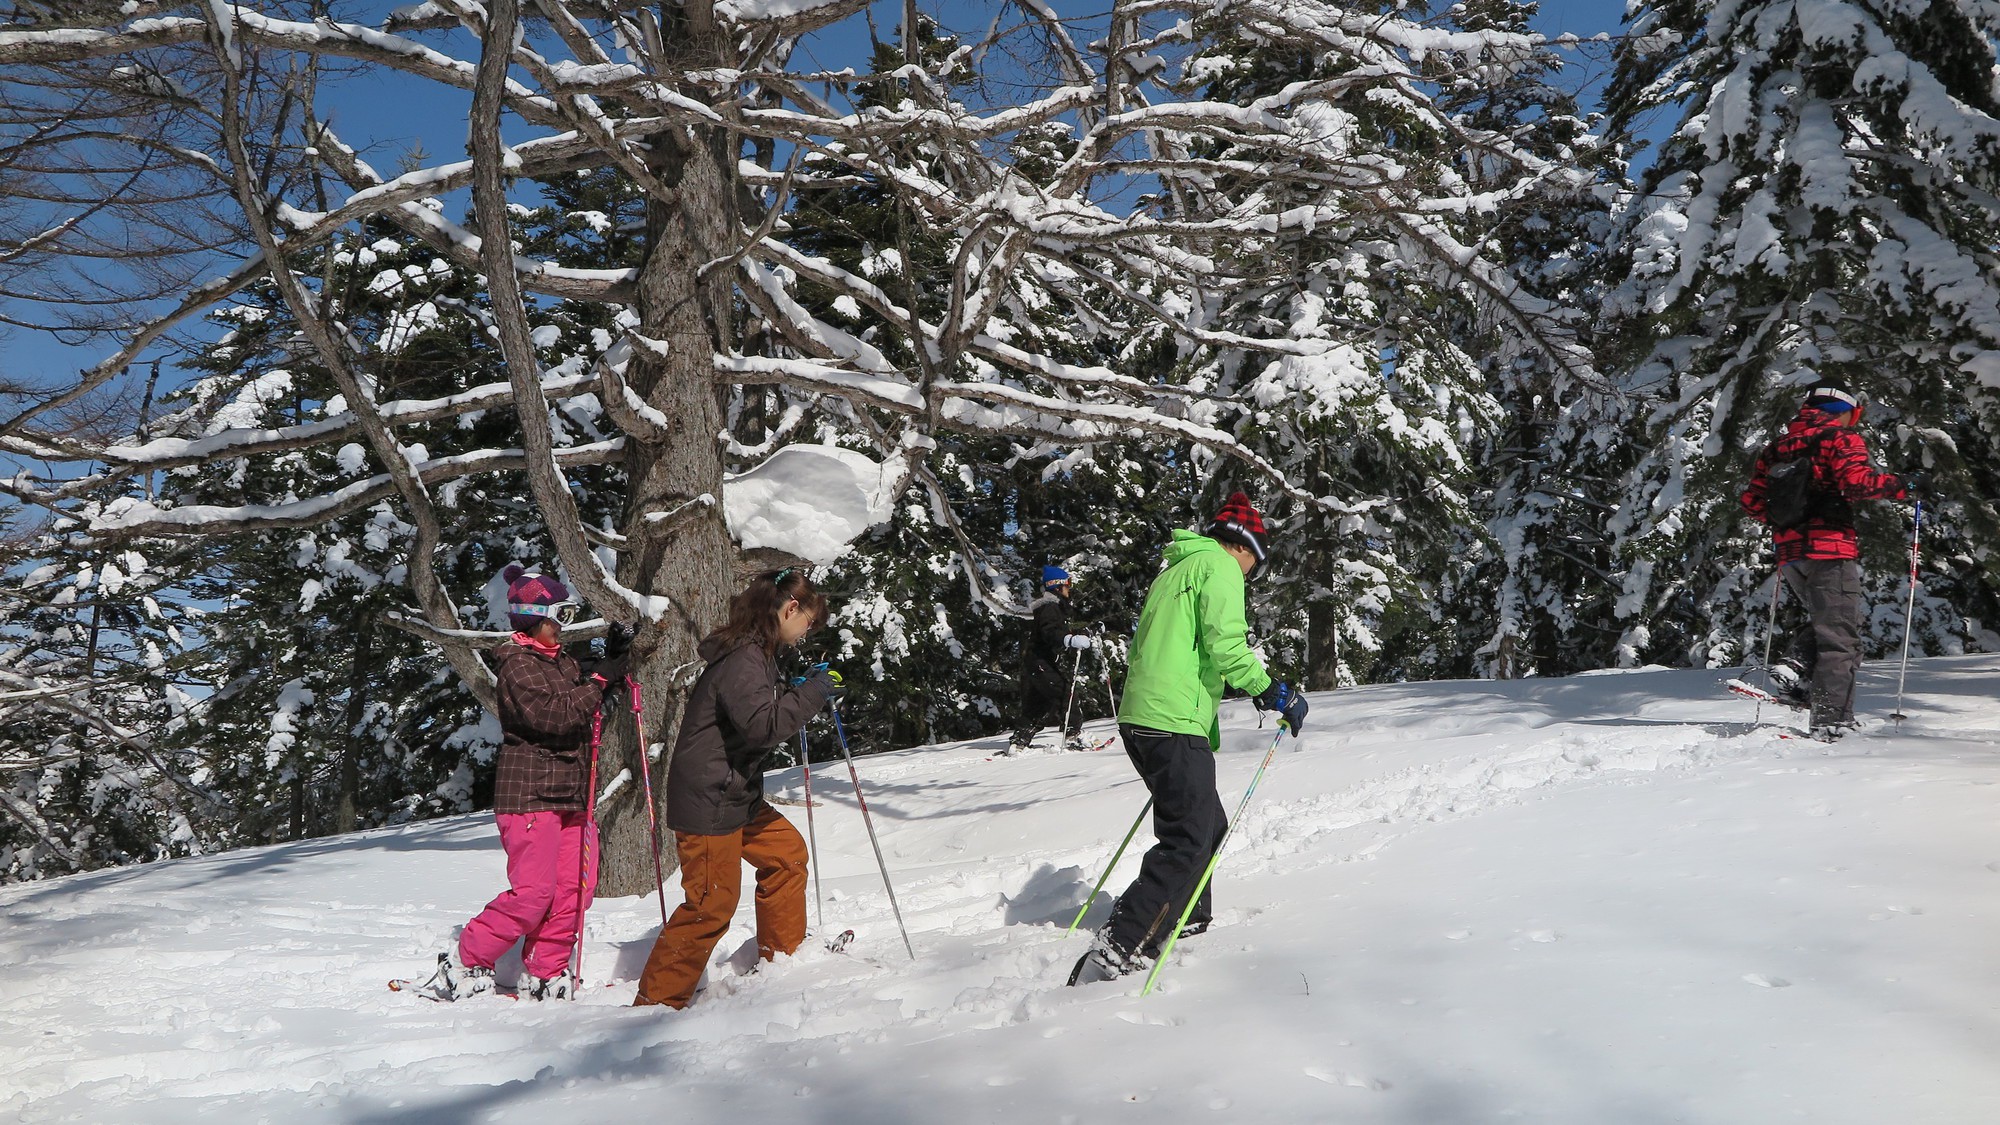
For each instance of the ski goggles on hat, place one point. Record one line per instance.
(1833, 402)
(562, 613)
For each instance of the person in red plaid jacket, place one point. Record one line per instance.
(547, 703)
(1819, 557)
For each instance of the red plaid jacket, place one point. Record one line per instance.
(546, 704)
(1842, 474)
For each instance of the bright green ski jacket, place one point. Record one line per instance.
(1190, 640)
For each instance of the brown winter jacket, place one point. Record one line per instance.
(546, 705)
(738, 712)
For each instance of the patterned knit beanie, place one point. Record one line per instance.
(1239, 523)
(529, 595)
(1052, 575)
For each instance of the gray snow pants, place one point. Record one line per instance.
(1829, 649)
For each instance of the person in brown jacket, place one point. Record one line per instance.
(738, 712)
(547, 706)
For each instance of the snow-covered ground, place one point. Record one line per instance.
(1604, 900)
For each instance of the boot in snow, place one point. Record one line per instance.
(1103, 961)
(1075, 742)
(562, 986)
(455, 980)
(1832, 732)
(1786, 676)
(1020, 742)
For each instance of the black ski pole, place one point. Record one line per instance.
(1909, 611)
(1770, 630)
(812, 836)
(868, 821)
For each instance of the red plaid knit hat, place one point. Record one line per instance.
(1239, 523)
(524, 590)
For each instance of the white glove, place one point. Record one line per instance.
(1077, 640)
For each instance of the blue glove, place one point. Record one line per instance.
(826, 679)
(1288, 702)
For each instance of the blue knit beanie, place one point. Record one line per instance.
(1052, 575)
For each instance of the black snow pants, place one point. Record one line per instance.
(1828, 650)
(1045, 696)
(1188, 820)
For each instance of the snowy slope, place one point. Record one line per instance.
(1600, 900)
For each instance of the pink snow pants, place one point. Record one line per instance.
(540, 902)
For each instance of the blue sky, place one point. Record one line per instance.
(387, 115)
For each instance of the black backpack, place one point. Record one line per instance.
(1790, 499)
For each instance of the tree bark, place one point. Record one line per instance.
(690, 562)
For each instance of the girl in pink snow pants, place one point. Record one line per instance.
(547, 705)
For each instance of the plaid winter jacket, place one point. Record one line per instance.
(546, 705)
(1842, 474)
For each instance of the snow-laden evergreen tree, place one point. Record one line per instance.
(96, 644)
(1826, 208)
(1345, 337)
(1528, 590)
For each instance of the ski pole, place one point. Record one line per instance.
(1209, 871)
(652, 814)
(1909, 611)
(583, 848)
(855, 775)
(1104, 666)
(812, 836)
(1069, 708)
(1115, 856)
(1771, 629)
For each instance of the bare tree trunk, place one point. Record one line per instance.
(689, 562)
(346, 812)
(1323, 646)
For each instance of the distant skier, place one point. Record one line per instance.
(1048, 662)
(546, 703)
(1804, 486)
(738, 712)
(1190, 640)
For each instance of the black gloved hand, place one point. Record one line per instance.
(618, 641)
(1288, 702)
(613, 668)
(1916, 486)
(828, 682)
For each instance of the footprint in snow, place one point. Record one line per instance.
(1762, 981)
(1343, 1078)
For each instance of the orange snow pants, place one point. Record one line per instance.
(711, 884)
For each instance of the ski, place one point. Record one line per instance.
(1762, 696)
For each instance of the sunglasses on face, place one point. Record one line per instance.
(562, 613)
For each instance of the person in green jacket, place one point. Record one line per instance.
(1190, 641)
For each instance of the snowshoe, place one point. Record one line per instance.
(1787, 677)
(1832, 732)
(451, 982)
(1101, 962)
(1762, 696)
(1075, 743)
(562, 986)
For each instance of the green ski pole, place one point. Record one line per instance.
(1212, 861)
(1115, 856)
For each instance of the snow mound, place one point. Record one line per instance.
(809, 500)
